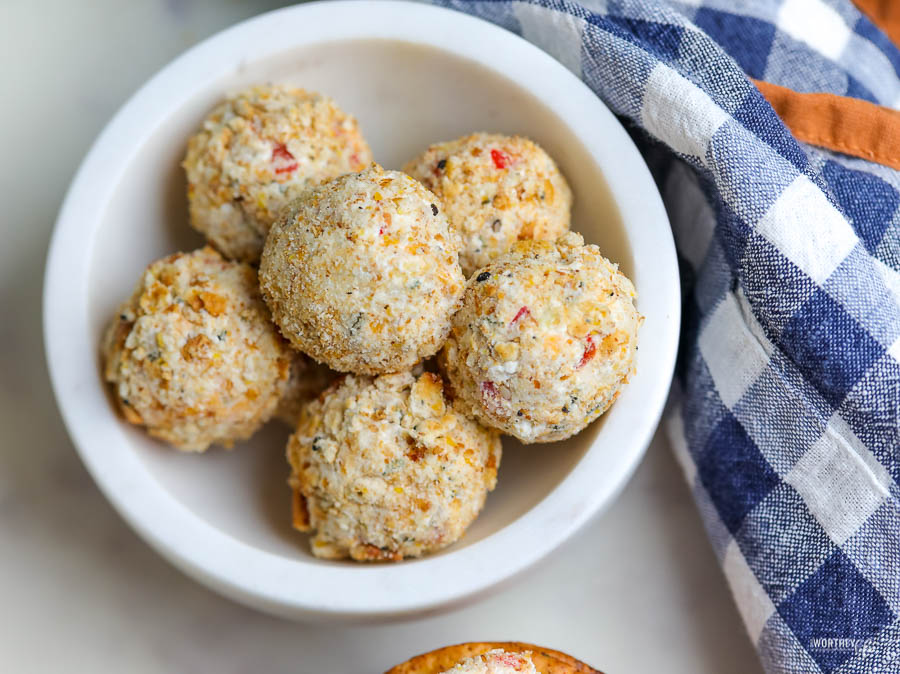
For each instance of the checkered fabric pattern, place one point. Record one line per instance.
(785, 413)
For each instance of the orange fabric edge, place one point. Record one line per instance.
(847, 125)
(883, 13)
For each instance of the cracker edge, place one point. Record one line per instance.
(546, 660)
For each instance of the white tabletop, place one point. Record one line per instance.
(638, 590)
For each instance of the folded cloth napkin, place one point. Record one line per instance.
(785, 413)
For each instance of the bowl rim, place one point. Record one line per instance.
(299, 588)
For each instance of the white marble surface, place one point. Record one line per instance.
(637, 591)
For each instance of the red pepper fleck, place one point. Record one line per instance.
(490, 394)
(509, 659)
(285, 162)
(523, 312)
(501, 159)
(589, 352)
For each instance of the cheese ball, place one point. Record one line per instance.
(496, 190)
(384, 468)
(476, 656)
(362, 273)
(306, 381)
(193, 355)
(496, 661)
(545, 339)
(257, 151)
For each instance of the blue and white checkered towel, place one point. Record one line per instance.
(786, 407)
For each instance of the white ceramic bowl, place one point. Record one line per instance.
(412, 74)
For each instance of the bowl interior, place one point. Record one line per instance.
(405, 96)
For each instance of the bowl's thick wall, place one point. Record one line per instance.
(224, 516)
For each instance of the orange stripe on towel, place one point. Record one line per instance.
(839, 123)
(883, 13)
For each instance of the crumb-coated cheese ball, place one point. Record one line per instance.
(384, 468)
(307, 380)
(362, 273)
(257, 151)
(496, 661)
(545, 339)
(193, 354)
(496, 190)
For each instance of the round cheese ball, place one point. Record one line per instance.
(362, 273)
(384, 468)
(307, 380)
(545, 339)
(496, 661)
(496, 190)
(193, 355)
(257, 151)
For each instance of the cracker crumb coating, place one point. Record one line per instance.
(496, 661)
(193, 354)
(362, 273)
(545, 340)
(257, 151)
(384, 468)
(496, 190)
(307, 380)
